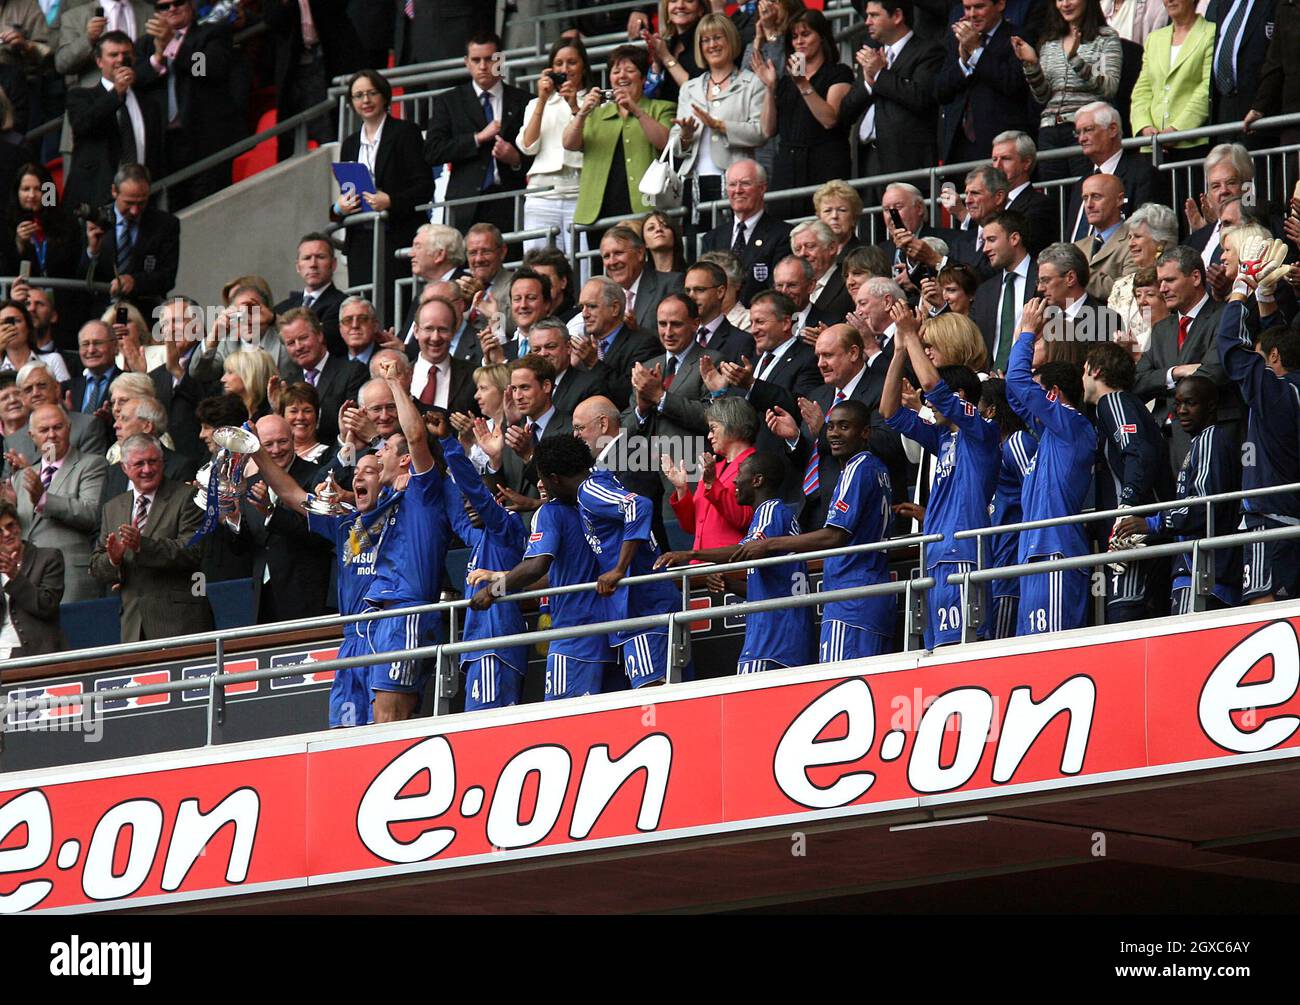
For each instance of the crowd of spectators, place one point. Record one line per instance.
(774, 385)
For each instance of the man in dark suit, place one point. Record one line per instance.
(670, 397)
(1097, 127)
(1183, 344)
(596, 421)
(893, 101)
(1073, 314)
(316, 265)
(180, 322)
(1279, 77)
(1000, 298)
(335, 378)
(438, 379)
(111, 124)
(472, 127)
(609, 346)
(981, 84)
(139, 256)
(756, 238)
(794, 277)
(435, 29)
(314, 43)
(706, 284)
(622, 252)
(813, 241)
(550, 339)
(1243, 29)
(144, 550)
(33, 588)
(985, 196)
(906, 200)
(373, 23)
(189, 66)
(147, 417)
(532, 382)
(89, 388)
(1014, 154)
(291, 565)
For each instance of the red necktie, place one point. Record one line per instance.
(1184, 326)
(430, 387)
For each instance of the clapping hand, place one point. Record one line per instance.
(675, 472)
(740, 374)
(812, 414)
(782, 424)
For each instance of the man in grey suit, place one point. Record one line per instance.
(58, 497)
(669, 398)
(1183, 344)
(32, 581)
(623, 253)
(38, 386)
(144, 550)
(486, 252)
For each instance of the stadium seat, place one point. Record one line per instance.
(89, 623)
(232, 603)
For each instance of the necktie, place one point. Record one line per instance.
(308, 299)
(409, 10)
(113, 17)
(126, 132)
(702, 338)
(631, 304)
(1081, 227)
(1097, 243)
(535, 431)
(763, 364)
(94, 388)
(312, 376)
(309, 36)
(169, 54)
(979, 241)
(670, 371)
(1225, 75)
(489, 176)
(602, 347)
(1006, 322)
(141, 511)
(967, 118)
(430, 387)
(47, 476)
(1184, 326)
(839, 396)
(125, 241)
(738, 245)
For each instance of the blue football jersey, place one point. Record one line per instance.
(1060, 472)
(965, 471)
(558, 532)
(1017, 451)
(860, 505)
(784, 636)
(611, 515)
(413, 548)
(355, 572)
(498, 546)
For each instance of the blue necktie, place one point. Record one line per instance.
(94, 388)
(489, 176)
(1225, 74)
(124, 243)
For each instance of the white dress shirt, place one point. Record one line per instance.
(867, 131)
(134, 113)
(420, 377)
(369, 148)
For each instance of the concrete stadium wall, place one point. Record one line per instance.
(251, 228)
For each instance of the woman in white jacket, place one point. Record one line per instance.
(559, 90)
(719, 114)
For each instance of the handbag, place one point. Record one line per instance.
(661, 185)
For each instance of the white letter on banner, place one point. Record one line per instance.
(1026, 719)
(602, 778)
(925, 773)
(194, 830)
(1224, 692)
(552, 765)
(381, 805)
(800, 749)
(145, 818)
(32, 809)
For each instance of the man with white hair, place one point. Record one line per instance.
(144, 550)
(909, 241)
(57, 496)
(814, 242)
(438, 253)
(758, 239)
(1097, 128)
(1015, 154)
(39, 386)
(1228, 170)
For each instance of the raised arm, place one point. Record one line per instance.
(417, 439)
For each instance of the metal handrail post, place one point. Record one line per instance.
(446, 674)
(217, 696)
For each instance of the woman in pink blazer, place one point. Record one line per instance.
(712, 513)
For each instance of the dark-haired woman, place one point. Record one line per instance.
(1078, 61)
(38, 230)
(803, 108)
(393, 150)
(559, 89)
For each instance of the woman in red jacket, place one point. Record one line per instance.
(712, 513)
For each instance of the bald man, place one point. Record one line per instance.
(624, 452)
(291, 565)
(1106, 246)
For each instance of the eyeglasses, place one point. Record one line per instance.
(165, 6)
(355, 322)
(365, 95)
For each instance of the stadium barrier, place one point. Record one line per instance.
(446, 669)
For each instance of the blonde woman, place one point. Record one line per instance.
(838, 205)
(246, 375)
(1152, 230)
(952, 339)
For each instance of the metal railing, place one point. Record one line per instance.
(52, 283)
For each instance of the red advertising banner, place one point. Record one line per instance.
(892, 734)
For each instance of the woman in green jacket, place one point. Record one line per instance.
(619, 139)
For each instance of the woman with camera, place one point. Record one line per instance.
(16, 342)
(719, 113)
(620, 132)
(41, 231)
(803, 108)
(559, 90)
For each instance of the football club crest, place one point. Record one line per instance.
(760, 271)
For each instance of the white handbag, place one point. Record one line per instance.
(661, 186)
